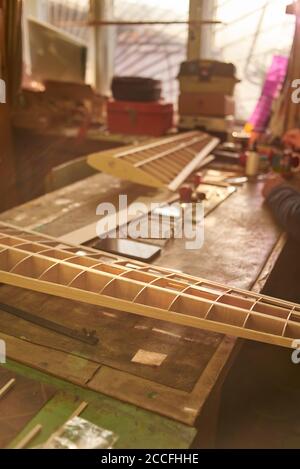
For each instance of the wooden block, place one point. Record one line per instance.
(144, 357)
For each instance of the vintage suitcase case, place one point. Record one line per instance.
(207, 68)
(136, 89)
(153, 118)
(207, 76)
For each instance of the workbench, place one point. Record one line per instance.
(50, 159)
(174, 405)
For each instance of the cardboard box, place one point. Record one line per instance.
(206, 104)
(193, 84)
(210, 124)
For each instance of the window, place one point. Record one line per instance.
(154, 51)
(251, 34)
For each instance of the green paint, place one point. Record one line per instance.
(152, 395)
(136, 428)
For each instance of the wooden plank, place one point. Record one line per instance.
(142, 393)
(135, 427)
(188, 350)
(75, 369)
(178, 405)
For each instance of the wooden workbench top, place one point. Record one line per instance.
(240, 238)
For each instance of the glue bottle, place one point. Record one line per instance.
(252, 162)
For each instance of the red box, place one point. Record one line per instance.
(136, 118)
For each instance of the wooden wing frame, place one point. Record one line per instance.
(43, 264)
(166, 162)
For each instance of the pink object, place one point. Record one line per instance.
(273, 83)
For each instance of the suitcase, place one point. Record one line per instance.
(153, 118)
(207, 76)
(136, 89)
(205, 69)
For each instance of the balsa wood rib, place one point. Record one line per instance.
(164, 163)
(41, 263)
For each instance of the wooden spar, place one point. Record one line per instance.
(39, 263)
(4, 390)
(166, 162)
(29, 437)
(136, 23)
(61, 429)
